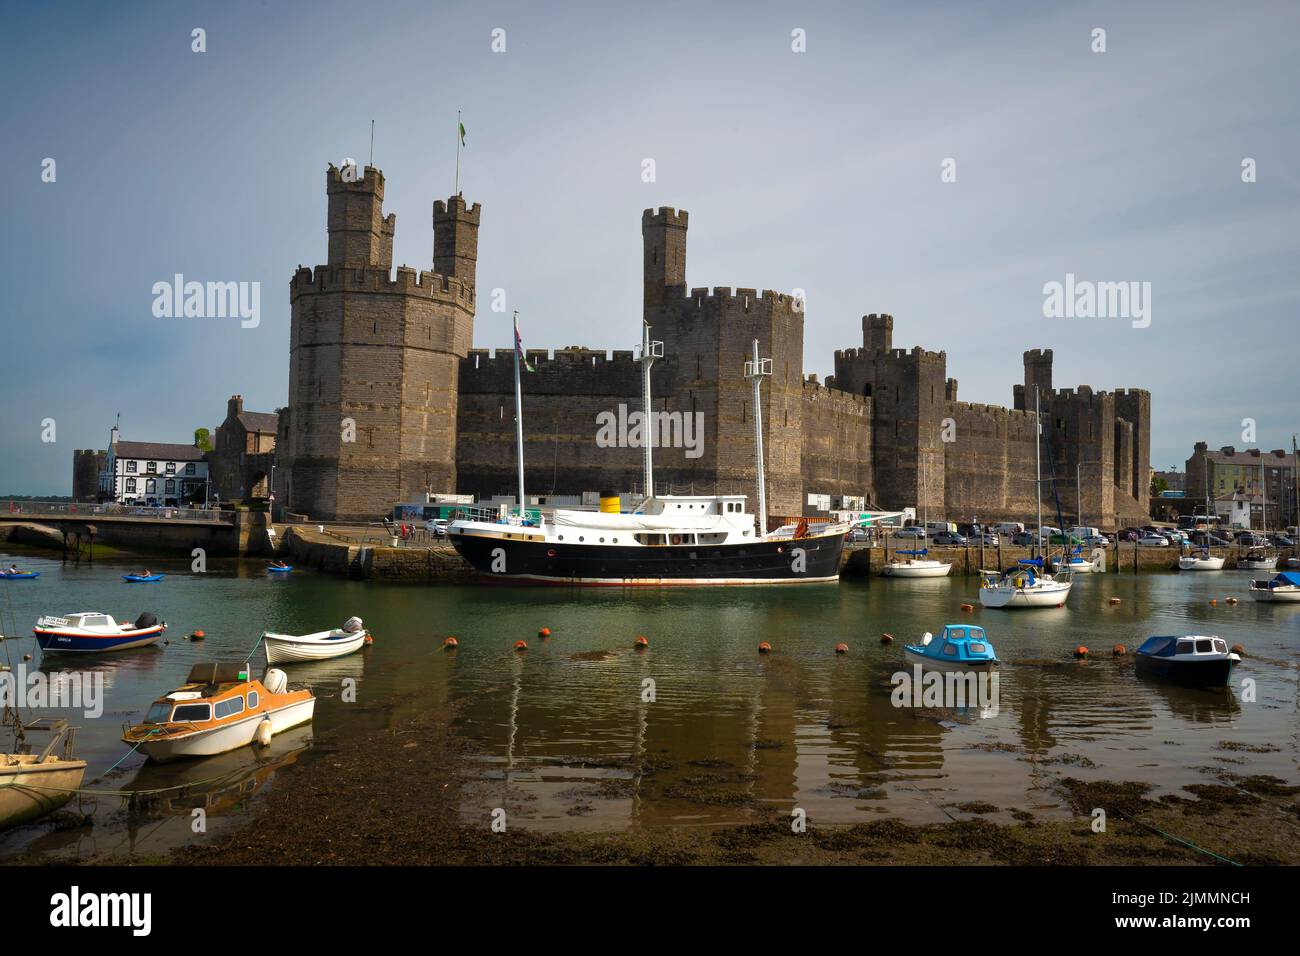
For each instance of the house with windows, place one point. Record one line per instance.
(153, 473)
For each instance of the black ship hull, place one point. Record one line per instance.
(1203, 673)
(782, 561)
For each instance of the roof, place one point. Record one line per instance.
(259, 421)
(1228, 455)
(163, 451)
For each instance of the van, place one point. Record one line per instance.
(1009, 527)
(1085, 532)
(938, 527)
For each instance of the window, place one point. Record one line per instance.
(130, 486)
(950, 650)
(252, 700)
(130, 467)
(977, 648)
(192, 712)
(151, 467)
(229, 707)
(158, 713)
(1204, 646)
(171, 468)
(151, 486)
(171, 486)
(189, 469)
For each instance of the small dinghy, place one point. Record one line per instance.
(286, 648)
(218, 709)
(138, 578)
(96, 632)
(32, 785)
(19, 575)
(279, 568)
(1195, 660)
(1283, 588)
(961, 647)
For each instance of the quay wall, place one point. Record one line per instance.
(246, 534)
(861, 561)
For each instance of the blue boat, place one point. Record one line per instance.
(95, 632)
(19, 575)
(960, 647)
(277, 569)
(1192, 659)
(136, 578)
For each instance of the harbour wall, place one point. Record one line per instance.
(245, 534)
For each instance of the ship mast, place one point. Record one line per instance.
(1038, 475)
(519, 423)
(649, 352)
(755, 370)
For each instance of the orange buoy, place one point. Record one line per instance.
(521, 645)
(1119, 650)
(841, 648)
(451, 644)
(1232, 600)
(1114, 601)
(370, 639)
(544, 632)
(1214, 602)
(1080, 652)
(968, 607)
(764, 647)
(641, 641)
(1238, 650)
(886, 638)
(197, 636)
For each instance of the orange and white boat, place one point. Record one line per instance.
(218, 709)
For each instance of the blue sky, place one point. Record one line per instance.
(817, 170)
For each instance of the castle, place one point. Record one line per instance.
(388, 400)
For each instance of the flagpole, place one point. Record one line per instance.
(457, 192)
(372, 143)
(519, 420)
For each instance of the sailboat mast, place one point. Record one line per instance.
(754, 371)
(1263, 501)
(649, 352)
(1038, 474)
(519, 422)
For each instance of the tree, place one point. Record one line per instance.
(1158, 486)
(202, 439)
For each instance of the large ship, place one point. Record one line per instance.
(666, 540)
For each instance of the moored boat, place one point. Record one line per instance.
(916, 565)
(219, 708)
(1200, 560)
(1257, 559)
(1024, 586)
(11, 575)
(1285, 588)
(323, 645)
(96, 632)
(1195, 660)
(960, 647)
(34, 784)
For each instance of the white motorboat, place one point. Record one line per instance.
(1076, 563)
(1200, 560)
(1257, 559)
(287, 648)
(1024, 586)
(96, 633)
(1285, 588)
(916, 565)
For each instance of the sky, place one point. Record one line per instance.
(820, 170)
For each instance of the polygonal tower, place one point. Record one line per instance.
(374, 358)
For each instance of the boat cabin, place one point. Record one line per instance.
(959, 642)
(193, 701)
(1173, 645)
(693, 505)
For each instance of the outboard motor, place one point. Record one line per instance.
(352, 625)
(275, 681)
(145, 620)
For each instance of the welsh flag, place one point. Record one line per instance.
(519, 348)
(462, 133)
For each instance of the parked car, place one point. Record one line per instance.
(949, 538)
(858, 535)
(1097, 541)
(438, 526)
(989, 539)
(1022, 539)
(1153, 541)
(1281, 541)
(913, 531)
(1250, 540)
(1129, 534)
(1202, 538)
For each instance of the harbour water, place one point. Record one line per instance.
(569, 735)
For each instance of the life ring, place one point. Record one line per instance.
(550, 552)
(677, 539)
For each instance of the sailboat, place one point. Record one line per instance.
(1028, 584)
(916, 564)
(1201, 559)
(667, 540)
(1074, 560)
(1260, 558)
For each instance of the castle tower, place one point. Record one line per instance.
(374, 359)
(877, 332)
(455, 239)
(663, 238)
(359, 235)
(1038, 373)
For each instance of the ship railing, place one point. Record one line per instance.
(493, 516)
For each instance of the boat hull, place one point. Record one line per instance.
(1276, 595)
(948, 666)
(921, 569)
(286, 649)
(1207, 673)
(1200, 564)
(30, 790)
(995, 597)
(67, 642)
(227, 737)
(815, 559)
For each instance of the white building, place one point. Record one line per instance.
(154, 473)
(1236, 510)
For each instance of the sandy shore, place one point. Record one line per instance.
(391, 797)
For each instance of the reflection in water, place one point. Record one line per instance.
(568, 735)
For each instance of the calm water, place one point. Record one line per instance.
(566, 740)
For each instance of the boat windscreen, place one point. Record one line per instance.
(1161, 645)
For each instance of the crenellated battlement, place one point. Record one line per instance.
(748, 298)
(331, 279)
(572, 356)
(816, 391)
(665, 216)
(371, 180)
(456, 208)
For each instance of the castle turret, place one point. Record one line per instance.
(877, 332)
(455, 239)
(359, 235)
(663, 236)
(1038, 373)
